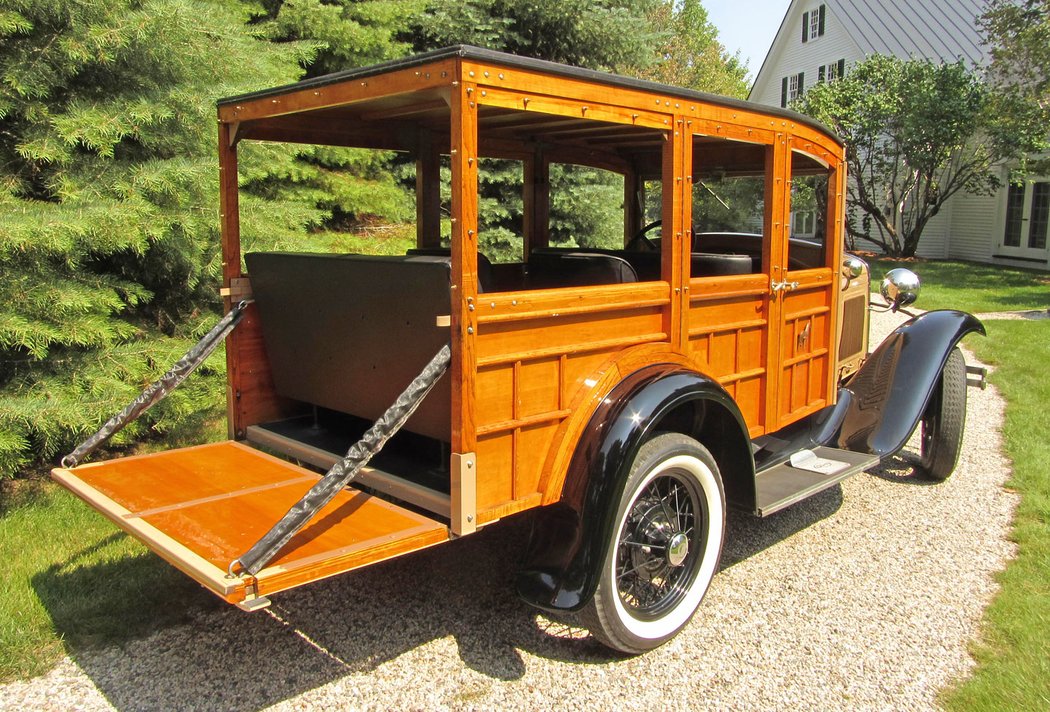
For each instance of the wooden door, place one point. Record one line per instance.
(803, 281)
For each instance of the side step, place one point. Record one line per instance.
(783, 485)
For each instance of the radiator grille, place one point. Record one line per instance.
(851, 342)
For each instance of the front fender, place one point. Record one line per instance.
(888, 395)
(570, 538)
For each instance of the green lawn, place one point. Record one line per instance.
(971, 287)
(1014, 654)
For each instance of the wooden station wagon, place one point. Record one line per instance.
(626, 388)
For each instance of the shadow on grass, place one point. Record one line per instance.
(171, 645)
(111, 602)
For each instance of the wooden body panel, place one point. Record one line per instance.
(202, 507)
(728, 328)
(537, 355)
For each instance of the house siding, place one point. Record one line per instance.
(790, 55)
(969, 226)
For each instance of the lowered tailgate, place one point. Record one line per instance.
(202, 507)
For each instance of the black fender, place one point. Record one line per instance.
(886, 398)
(570, 538)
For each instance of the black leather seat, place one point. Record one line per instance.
(549, 269)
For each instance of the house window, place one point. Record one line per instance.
(813, 23)
(791, 88)
(1027, 219)
(1040, 216)
(831, 72)
(1014, 215)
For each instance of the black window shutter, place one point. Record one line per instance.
(820, 73)
(820, 22)
(805, 26)
(784, 92)
(801, 80)
(842, 68)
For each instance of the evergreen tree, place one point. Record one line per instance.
(108, 203)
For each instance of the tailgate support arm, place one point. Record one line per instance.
(342, 472)
(160, 388)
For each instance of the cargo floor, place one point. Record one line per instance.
(202, 507)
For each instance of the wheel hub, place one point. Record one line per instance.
(677, 549)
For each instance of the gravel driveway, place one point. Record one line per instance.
(863, 597)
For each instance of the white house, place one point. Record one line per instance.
(818, 41)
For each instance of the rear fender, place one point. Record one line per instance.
(889, 393)
(570, 538)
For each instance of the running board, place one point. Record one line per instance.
(783, 485)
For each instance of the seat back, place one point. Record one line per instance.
(548, 269)
(350, 332)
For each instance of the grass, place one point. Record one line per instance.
(1014, 652)
(71, 580)
(970, 286)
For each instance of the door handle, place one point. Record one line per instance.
(783, 286)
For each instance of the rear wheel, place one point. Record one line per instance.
(944, 420)
(665, 549)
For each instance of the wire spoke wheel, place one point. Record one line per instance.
(659, 548)
(668, 539)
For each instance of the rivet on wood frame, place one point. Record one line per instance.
(364, 84)
(472, 105)
(634, 117)
(470, 232)
(525, 101)
(583, 109)
(470, 90)
(470, 161)
(317, 93)
(486, 74)
(501, 75)
(484, 93)
(472, 72)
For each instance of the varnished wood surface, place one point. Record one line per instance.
(202, 507)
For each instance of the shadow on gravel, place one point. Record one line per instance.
(222, 658)
(747, 535)
(901, 469)
(461, 592)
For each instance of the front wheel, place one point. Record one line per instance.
(944, 420)
(667, 541)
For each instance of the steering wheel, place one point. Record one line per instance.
(642, 239)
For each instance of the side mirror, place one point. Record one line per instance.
(900, 288)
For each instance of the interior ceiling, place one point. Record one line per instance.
(397, 121)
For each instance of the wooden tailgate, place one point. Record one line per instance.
(202, 507)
